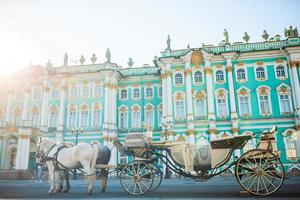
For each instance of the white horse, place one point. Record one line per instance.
(58, 158)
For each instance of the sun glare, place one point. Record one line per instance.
(15, 54)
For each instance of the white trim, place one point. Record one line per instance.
(119, 117)
(145, 92)
(203, 76)
(153, 113)
(120, 94)
(216, 69)
(132, 93)
(132, 118)
(289, 97)
(184, 106)
(226, 101)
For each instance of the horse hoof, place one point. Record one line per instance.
(88, 193)
(66, 190)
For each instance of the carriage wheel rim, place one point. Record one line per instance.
(157, 174)
(266, 173)
(136, 178)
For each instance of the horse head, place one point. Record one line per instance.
(44, 146)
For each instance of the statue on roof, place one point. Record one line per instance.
(226, 35)
(66, 59)
(246, 37)
(130, 62)
(108, 55)
(82, 59)
(291, 32)
(188, 46)
(265, 35)
(168, 43)
(93, 58)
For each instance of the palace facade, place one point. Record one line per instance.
(187, 95)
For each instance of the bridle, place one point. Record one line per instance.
(43, 156)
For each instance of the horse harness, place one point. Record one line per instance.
(44, 157)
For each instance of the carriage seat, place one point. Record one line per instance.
(231, 142)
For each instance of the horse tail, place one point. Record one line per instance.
(94, 157)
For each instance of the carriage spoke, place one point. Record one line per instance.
(249, 163)
(248, 178)
(269, 181)
(134, 190)
(130, 185)
(144, 184)
(143, 169)
(273, 176)
(265, 185)
(246, 167)
(139, 186)
(258, 184)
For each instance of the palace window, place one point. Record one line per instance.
(37, 93)
(280, 72)
(55, 93)
(98, 91)
(180, 110)
(200, 108)
(178, 79)
(149, 116)
(149, 92)
(241, 74)
(264, 104)
(219, 76)
(124, 94)
(72, 118)
(97, 117)
(53, 119)
(35, 119)
(222, 107)
(124, 120)
(291, 148)
(136, 93)
(85, 91)
(160, 92)
(260, 73)
(285, 103)
(198, 77)
(244, 105)
(136, 117)
(73, 92)
(84, 118)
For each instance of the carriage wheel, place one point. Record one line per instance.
(157, 177)
(136, 177)
(259, 172)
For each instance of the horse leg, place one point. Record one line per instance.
(61, 183)
(51, 174)
(90, 177)
(57, 181)
(66, 174)
(104, 176)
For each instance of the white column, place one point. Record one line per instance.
(231, 90)
(169, 95)
(164, 96)
(23, 149)
(106, 103)
(189, 99)
(25, 109)
(61, 115)
(296, 85)
(45, 105)
(9, 104)
(210, 93)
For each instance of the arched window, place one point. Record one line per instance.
(179, 106)
(98, 91)
(35, 116)
(222, 107)
(285, 103)
(97, 115)
(53, 117)
(136, 117)
(149, 92)
(280, 71)
(85, 91)
(219, 76)
(37, 93)
(136, 93)
(178, 79)
(123, 118)
(73, 92)
(200, 107)
(124, 94)
(72, 116)
(149, 115)
(198, 77)
(84, 116)
(290, 140)
(260, 73)
(264, 104)
(241, 74)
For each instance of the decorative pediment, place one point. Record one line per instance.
(243, 91)
(123, 109)
(53, 109)
(197, 58)
(34, 109)
(263, 90)
(136, 108)
(260, 63)
(149, 108)
(283, 89)
(72, 108)
(221, 93)
(179, 96)
(84, 107)
(200, 95)
(97, 106)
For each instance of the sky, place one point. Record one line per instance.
(35, 31)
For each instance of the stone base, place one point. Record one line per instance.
(16, 174)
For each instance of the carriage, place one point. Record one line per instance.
(259, 171)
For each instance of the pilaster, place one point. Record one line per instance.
(9, 106)
(210, 93)
(45, 105)
(25, 109)
(23, 149)
(188, 81)
(61, 117)
(169, 94)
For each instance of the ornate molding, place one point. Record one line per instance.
(229, 68)
(212, 131)
(297, 127)
(197, 58)
(24, 137)
(235, 130)
(191, 132)
(208, 70)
